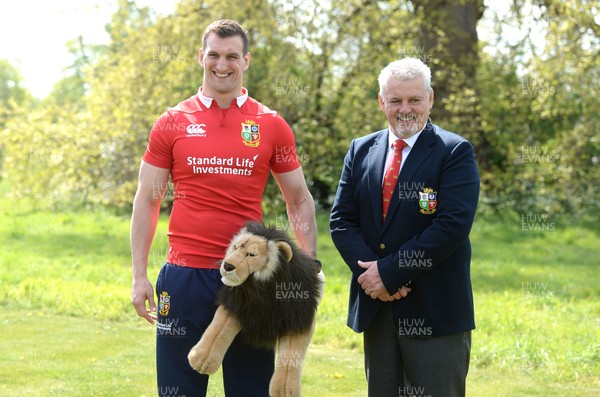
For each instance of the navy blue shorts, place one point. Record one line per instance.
(186, 306)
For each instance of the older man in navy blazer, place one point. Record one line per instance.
(401, 221)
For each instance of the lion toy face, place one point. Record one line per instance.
(251, 254)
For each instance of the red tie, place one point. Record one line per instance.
(391, 175)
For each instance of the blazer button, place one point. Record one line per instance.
(382, 246)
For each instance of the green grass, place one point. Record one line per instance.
(69, 329)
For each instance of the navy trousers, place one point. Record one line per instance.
(186, 303)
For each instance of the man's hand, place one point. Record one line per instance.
(142, 291)
(402, 292)
(371, 283)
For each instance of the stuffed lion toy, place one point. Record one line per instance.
(270, 298)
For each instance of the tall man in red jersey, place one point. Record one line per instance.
(219, 147)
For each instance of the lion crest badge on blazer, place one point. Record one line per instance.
(428, 201)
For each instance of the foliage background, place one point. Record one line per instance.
(530, 110)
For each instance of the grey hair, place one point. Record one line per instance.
(405, 69)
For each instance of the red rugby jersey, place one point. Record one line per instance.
(220, 160)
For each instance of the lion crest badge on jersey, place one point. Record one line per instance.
(251, 133)
(428, 201)
(164, 303)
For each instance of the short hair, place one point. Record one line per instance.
(405, 69)
(226, 28)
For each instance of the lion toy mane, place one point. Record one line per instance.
(270, 296)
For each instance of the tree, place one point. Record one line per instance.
(540, 106)
(11, 85)
(12, 91)
(13, 95)
(71, 90)
(448, 37)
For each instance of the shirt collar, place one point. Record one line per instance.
(409, 141)
(206, 101)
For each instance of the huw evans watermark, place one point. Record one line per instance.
(536, 290)
(291, 85)
(536, 86)
(414, 328)
(413, 391)
(170, 328)
(293, 223)
(536, 154)
(413, 259)
(288, 154)
(289, 290)
(532, 222)
(418, 52)
(410, 191)
(289, 358)
(169, 391)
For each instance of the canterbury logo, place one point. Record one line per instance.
(196, 129)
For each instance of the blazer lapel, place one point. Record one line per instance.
(418, 154)
(376, 161)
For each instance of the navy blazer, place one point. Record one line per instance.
(425, 237)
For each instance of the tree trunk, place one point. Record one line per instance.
(448, 40)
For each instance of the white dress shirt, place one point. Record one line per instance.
(410, 142)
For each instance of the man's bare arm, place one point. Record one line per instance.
(300, 209)
(152, 184)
